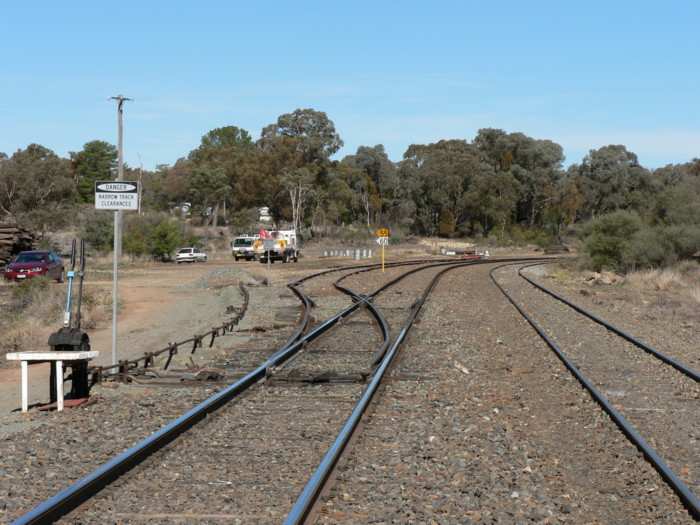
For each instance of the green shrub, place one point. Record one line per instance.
(685, 239)
(163, 240)
(542, 240)
(98, 231)
(607, 240)
(135, 244)
(651, 249)
(192, 240)
(620, 241)
(135, 239)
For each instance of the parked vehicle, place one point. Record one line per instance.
(190, 255)
(35, 262)
(284, 248)
(242, 247)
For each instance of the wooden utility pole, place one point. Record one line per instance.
(120, 171)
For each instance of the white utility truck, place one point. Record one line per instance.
(242, 247)
(278, 245)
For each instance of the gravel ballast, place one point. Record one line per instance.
(478, 423)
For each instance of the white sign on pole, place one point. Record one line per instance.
(116, 195)
(383, 241)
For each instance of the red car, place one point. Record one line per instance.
(36, 262)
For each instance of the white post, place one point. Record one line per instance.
(115, 292)
(25, 387)
(59, 386)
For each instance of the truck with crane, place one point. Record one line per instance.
(277, 245)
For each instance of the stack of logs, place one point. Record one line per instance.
(12, 241)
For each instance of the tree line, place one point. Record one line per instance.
(496, 186)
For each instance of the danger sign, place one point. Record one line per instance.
(116, 195)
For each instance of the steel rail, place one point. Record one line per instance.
(379, 354)
(462, 262)
(379, 317)
(73, 496)
(689, 499)
(647, 348)
(85, 488)
(314, 488)
(303, 325)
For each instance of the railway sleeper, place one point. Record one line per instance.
(297, 376)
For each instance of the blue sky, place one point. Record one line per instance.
(582, 74)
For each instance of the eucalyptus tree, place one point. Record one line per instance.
(384, 175)
(679, 202)
(96, 161)
(154, 191)
(218, 167)
(300, 142)
(339, 197)
(299, 184)
(439, 176)
(493, 199)
(209, 187)
(177, 181)
(612, 179)
(489, 141)
(536, 165)
(310, 134)
(37, 189)
(365, 191)
(568, 201)
(538, 168)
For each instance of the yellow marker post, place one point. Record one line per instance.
(383, 240)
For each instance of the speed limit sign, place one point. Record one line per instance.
(382, 241)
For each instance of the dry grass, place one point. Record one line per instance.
(96, 309)
(677, 287)
(662, 280)
(669, 293)
(693, 294)
(35, 311)
(31, 334)
(683, 278)
(559, 272)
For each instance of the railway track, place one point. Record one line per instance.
(648, 394)
(506, 433)
(296, 398)
(476, 422)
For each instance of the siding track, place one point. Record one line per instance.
(643, 390)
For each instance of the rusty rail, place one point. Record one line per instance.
(98, 373)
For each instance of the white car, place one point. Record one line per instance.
(190, 255)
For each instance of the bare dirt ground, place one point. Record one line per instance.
(155, 309)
